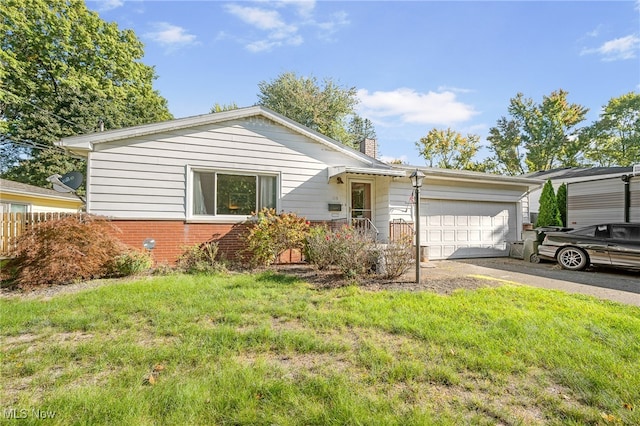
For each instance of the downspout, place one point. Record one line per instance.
(627, 197)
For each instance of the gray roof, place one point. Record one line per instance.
(12, 187)
(579, 172)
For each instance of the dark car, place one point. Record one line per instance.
(612, 244)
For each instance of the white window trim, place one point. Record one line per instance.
(193, 218)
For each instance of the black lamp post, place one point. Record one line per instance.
(416, 180)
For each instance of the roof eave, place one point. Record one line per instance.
(471, 176)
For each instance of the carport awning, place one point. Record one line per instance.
(342, 170)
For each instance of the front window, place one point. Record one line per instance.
(222, 193)
(14, 208)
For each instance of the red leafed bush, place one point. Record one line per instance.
(65, 250)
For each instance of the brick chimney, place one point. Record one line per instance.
(368, 147)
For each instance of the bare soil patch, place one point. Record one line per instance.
(436, 278)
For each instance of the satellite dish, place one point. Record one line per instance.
(69, 182)
(72, 180)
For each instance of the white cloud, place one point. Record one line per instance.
(170, 36)
(618, 49)
(281, 23)
(330, 27)
(411, 107)
(260, 18)
(104, 5)
(304, 8)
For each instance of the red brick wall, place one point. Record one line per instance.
(172, 236)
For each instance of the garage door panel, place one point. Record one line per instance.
(434, 220)
(462, 229)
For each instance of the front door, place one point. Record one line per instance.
(361, 201)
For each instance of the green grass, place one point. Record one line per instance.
(268, 349)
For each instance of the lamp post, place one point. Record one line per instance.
(416, 180)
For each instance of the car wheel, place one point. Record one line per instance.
(534, 258)
(572, 258)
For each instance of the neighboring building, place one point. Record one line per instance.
(16, 197)
(199, 178)
(609, 200)
(571, 175)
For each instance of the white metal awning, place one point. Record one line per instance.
(334, 171)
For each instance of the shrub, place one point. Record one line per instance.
(397, 257)
(549, 214)
(318, 247)
(274, 233)
(200, 259)
(65, 250)
(133, 262)
(349, 249)
(561, 199)
(163, 269)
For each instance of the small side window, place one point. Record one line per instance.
(589, 231)
(602, 231)
(622, 232)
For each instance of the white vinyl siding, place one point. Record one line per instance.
(594, 202)
(146, 177)
(634, 207)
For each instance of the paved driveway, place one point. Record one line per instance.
(617, 285)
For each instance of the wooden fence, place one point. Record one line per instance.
(400, 228)
(14, 224)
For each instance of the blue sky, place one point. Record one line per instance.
(417, 65)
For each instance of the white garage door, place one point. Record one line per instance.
(464, 229)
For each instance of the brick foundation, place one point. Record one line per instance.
(172, 236)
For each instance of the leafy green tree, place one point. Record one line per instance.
(507, 147)
(561, 199)
(358, 130)
(614, 139)
(449, 149)
(223, 107)
(549, 214)
(63, 71)
(538, 136)
(325, 108)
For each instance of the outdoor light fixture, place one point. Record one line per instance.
(416, 180)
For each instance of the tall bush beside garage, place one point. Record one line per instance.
(549, 214)
(561, 198)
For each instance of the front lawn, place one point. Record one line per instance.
(269, 349)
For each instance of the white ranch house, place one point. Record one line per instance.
(198, 179)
